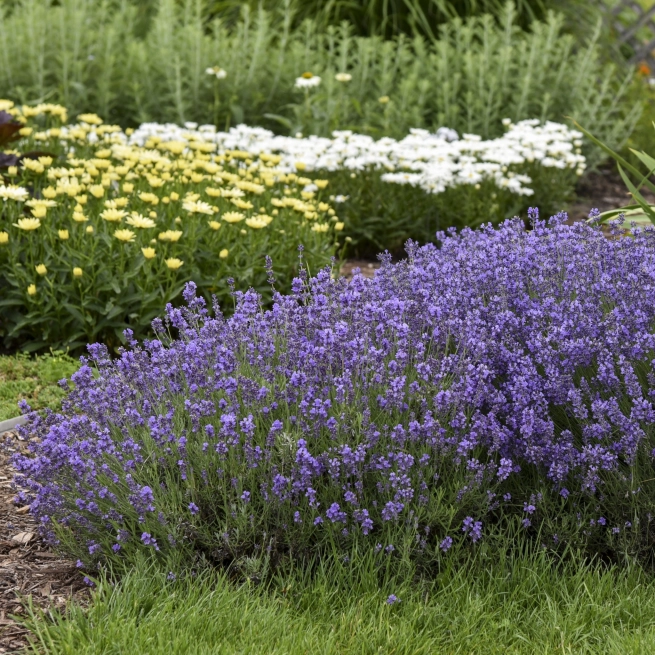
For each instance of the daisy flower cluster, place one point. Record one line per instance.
(433, 162)
(100, 232)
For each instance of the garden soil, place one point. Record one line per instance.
(29, 569)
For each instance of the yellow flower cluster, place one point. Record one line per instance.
(100, 201)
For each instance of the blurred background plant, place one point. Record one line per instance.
(150, 62)
(389, 18)
(382, 216)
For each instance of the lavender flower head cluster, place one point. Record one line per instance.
(486, 377)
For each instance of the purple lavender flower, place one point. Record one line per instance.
(335, 514)
(472, 528)
(193, 508)
(393, 599)
(148, 540)
(442, 380)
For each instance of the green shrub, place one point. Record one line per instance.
(382, 216)
(390, 18)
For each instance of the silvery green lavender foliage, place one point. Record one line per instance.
(502, 379)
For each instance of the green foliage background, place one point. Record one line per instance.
(135, 63)
(389, 18)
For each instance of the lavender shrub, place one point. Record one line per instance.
(502, 380)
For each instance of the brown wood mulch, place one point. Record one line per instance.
(28, 567)
(366, 266)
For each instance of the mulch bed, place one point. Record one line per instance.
(28, 567)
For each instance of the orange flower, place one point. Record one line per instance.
(644, 68)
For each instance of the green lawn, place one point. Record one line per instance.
(525, 604)
(33, 379)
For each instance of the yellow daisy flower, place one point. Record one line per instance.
(233, 217)
(174, 263)
(198, 207)
(170, 235)
(125, 235)
(140, 222)
(28, 224)
(113, 215)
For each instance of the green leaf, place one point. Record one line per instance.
(637, 196)
(237, 113)
(280, 119)
(9, 302)
(646, 159)
(115, 311)
(614, 155)
(32, 346)
(74, 311)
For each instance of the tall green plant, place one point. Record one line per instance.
(389, 18)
